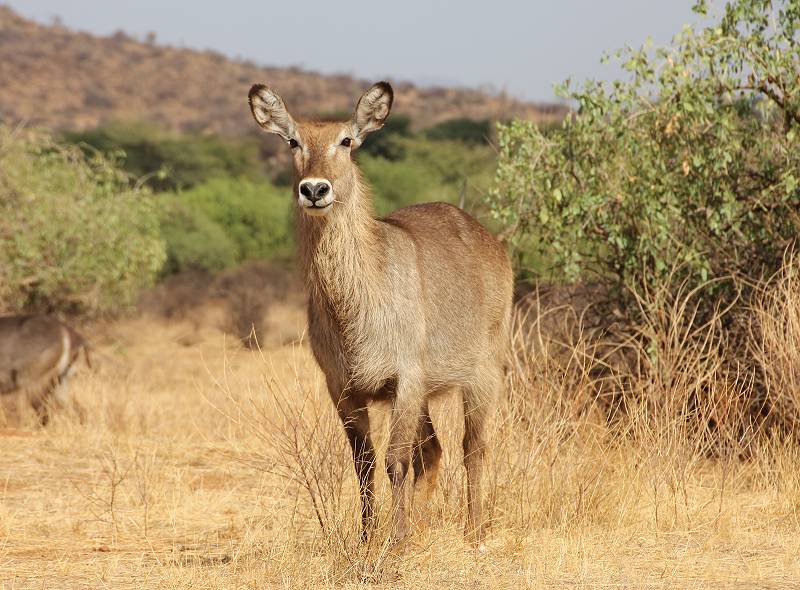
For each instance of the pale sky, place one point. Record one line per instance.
(523, 47)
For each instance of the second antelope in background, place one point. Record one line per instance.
(401, 308)
(37, 357)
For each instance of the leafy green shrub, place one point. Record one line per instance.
(386, 144)
(396, 184)
(226, 221)
(469, 131)
(171, 161)
(692, 163)
(430, 171)
(73, 234)
(194, 241)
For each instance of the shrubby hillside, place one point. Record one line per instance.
(62, 79)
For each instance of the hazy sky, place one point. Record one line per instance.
(520, 46)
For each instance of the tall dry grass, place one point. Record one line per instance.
(775, 337)
(614, 462)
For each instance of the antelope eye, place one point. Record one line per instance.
(293, 143)
(346, 142)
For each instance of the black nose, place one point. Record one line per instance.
(314, 191)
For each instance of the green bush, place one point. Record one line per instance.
(469, 131)
(194, 241)
(73, 234)
(688, 171)
(171, 161)
(430, 171)
(387, 144)
(224, 222)
(395, 184)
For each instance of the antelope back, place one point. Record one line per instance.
(35, 350)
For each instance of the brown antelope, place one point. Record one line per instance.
(37, 357)
(400, 309)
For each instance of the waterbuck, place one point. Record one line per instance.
(400, 308)
(37, 357)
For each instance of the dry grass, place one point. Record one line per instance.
(202, 465)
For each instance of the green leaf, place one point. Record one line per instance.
(544, 215)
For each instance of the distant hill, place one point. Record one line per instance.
(62, 79)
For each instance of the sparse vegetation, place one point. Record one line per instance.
(249, 291)
(244, 475)
(184, 90)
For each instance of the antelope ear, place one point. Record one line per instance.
(373, 109)
(270, 112)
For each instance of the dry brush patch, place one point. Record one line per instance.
(207, 466)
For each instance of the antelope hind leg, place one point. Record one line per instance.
(478, 401)
(427, 452)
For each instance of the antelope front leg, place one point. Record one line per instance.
(352, 409)
(405, 417)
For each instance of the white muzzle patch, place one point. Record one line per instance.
(315, 195)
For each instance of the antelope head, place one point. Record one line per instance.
(324, 170)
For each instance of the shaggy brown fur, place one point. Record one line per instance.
(37, 355)
(401, 308)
